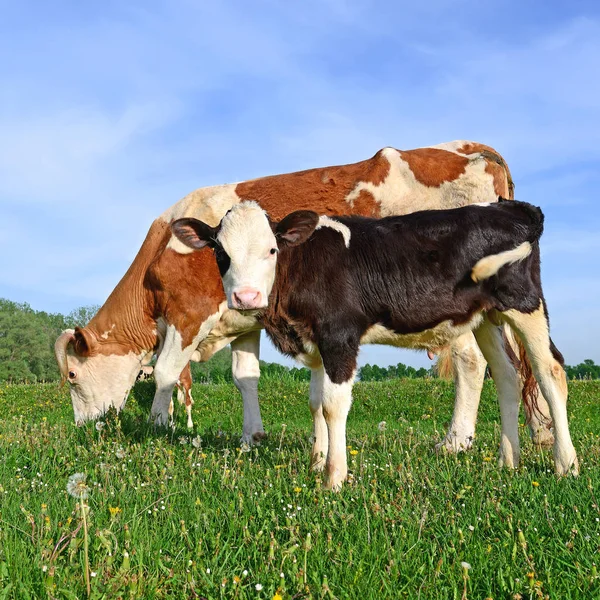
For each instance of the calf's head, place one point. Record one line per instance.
(246, 244)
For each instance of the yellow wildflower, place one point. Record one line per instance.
(354, 452)
(114, 510)
(277, 596)
(535, 484)
(297, 490)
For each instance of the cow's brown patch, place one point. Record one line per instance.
(125, 321)
(186, 289)
(496, 166)
(433, 166)
(322, 190)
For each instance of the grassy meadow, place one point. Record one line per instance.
(193, 515)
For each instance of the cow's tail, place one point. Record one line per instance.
(488, 266)
(496, 158)
(444, 365)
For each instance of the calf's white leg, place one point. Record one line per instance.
(468, 365)
(489, 338)
(533, 331)
(245, 369)
(320, 436)
(337, 398)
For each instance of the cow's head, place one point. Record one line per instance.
(246, 243)
(97, 381)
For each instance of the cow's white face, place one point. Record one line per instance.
(97, 382)
(246, 244)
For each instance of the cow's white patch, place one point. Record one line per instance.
(207, 204)
(103, 381)
(108, 332)
(344, 230)
(400, 193)
(438, 336)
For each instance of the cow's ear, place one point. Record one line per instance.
(194, 234)
(84, 341)
(296, 228)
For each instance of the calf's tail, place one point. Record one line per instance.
(490, 265)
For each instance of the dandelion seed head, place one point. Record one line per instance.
(77, 487)
(100, 425)
(197, 442)
(465, 565)
(382, 426)
(245, 447)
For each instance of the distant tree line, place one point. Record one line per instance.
(399, 371)
(27, 341)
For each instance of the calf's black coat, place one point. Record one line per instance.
(407, 273)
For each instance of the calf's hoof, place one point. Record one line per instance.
(508, 457)
(317, 462)
(335, 479)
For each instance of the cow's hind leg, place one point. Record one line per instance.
(532, 328)
(468, 366)
(184, 393)
(320, 436)
(489, 338)
(245, 369)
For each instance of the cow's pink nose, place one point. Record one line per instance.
(247, 298)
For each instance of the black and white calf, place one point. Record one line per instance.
(324, 286)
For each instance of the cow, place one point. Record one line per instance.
(171, 301)
(323, 286)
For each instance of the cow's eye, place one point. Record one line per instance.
(273, 251)
(72, 374)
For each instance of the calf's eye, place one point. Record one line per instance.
(273, 251)
(72, 374)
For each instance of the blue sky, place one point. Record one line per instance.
(110, 112)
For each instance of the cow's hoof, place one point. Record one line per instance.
(567, 466)
(258, 437)
(542, 439)
(454, 445)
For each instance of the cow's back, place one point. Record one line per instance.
(393, 182)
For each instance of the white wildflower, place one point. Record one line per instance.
(100, 425)
(183, 440)
(465, 565)
(77, 487)
(382, 426)
(258, 587)
(120, 453)
(197, 442)
(245, 447)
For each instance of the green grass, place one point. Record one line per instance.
(169, 520)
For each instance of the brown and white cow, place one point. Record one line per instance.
(324, 286)
(171, 299)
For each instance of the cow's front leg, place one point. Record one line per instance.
(171, 361)
(245, 369)
(468, 366)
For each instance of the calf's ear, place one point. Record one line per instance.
(194, 233)
(296, 228)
